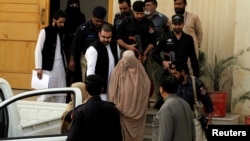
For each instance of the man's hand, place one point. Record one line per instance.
(166, 64)
(132, 38)
(133, 47)
(39, 73)
(71, 65)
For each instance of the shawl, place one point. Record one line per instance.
(66, 116)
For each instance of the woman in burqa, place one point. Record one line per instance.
(74, 18)
(129, 90)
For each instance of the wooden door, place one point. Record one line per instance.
(20, 23)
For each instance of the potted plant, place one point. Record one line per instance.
(241, 99)
(220, 73)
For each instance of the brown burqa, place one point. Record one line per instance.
(129, 89)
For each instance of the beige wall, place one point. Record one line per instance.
(226, 27)
(242, 40)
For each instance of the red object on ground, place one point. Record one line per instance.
(247, 119)
(219, 99)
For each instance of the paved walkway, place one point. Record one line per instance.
(16, 91)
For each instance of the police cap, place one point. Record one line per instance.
(177, 19)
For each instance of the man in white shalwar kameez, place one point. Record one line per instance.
(50, 57)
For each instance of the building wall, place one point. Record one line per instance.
(242, 35)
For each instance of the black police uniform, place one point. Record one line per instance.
(186, 92)
(160, 23)
(119, 18)
(132, 27)
(174, 49)
(85, 35)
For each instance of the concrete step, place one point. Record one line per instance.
(148, 127)
(147, 138)
(150, 115)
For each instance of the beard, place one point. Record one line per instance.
(147, 13)
(179, 10)
(105, 42)
(177, 30)
(59, 30)
(125, 13)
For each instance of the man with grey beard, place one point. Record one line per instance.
(161, 24)
(160, 20)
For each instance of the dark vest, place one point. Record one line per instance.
(49, 48)
(102, 63)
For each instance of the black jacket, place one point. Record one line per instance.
(132, 27)
(96, 120)
(182, 49)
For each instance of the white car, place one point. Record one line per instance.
(24, 119)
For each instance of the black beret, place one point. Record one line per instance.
(99, 12)
(139, 6)
(177, 18)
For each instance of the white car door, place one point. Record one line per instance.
(12, 111)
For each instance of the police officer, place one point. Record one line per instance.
(160, 20)
(161, 26)
(180, 70)
(85, 35)
(176, 45)
(137, 28)
(125, 11)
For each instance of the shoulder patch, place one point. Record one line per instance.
(160, 15)
(169, 40)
